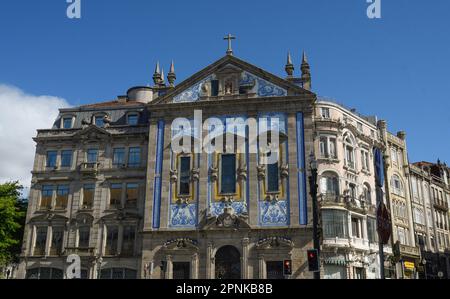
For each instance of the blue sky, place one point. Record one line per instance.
(396, 68)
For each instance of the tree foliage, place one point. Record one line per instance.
(12, 219)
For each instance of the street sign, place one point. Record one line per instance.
(384, 224)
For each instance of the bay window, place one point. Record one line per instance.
(329, 185)
(335, 223)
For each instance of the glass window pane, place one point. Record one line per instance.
(51, 158)
(115, 195)
(111, 240)
(185, 175)
(132, 195)
(92, 155)
(88, 195)
(228, 176)
(273, 178)
(99, 121)
(118, 273)
(46, 196)
(130, 274)
(66, 158)
(83, 236)
(119, 157)
(62, 196)
(57, 240)
(41, 239)
(133, 119)
(129, 236)
(134, 157)
(67, 123)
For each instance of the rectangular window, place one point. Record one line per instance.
(51, 158)
(118, 157)
(67, 123)
(99, 121)
(134, 157)
(41, 240)
(272, 177)
(62, 196)
(66, 158)
(356, 232)
(325, 112)
(88, 196)
(92, 155)
(132, 195)
(372, 230)
(214, 88)
(365, 160)
(324, 147)
(132, 119)
(394, 155)
(57, 240)
(115, 200)
(181, 270)
(228, 175)
(185, 175)
(111, 240)
(46, 197)
(84, 233)
(129, 236)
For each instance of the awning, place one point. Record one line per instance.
(335, 260)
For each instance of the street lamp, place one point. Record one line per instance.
(313, 192)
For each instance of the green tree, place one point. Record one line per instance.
(12, 220)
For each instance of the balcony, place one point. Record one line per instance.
(359, 243)
(89, 169)
(440, 204)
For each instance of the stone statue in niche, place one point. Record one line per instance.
(204, 91)
(228, 87)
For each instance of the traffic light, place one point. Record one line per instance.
(287, 267)
(313, 260)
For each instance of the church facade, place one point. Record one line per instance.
(109, 187)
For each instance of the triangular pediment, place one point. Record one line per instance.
(228, 77)
(92, 132)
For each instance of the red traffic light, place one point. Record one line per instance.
(287, 267)
(313, 260)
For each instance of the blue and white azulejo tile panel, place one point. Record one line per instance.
(192, 94)
(216, 208)
(273, 213)
(183, 215)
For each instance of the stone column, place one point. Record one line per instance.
(261, 267)
(169, 267)
(209, 262)
(119, 239)
(194, 266)
(293, 169)
(244, 272)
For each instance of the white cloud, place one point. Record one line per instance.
(21, 114)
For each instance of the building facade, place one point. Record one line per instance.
(344, 144)
(109, 187)
(430, 198)
(173, 181)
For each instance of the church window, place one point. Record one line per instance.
(228, 174)
(214, 88)
(185, 175)
(273, 177)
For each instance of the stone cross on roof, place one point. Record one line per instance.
(229, 37)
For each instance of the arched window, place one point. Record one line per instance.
(396, 185)
(329, 185)
(349, 150)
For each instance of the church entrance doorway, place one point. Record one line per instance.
(228, 263)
